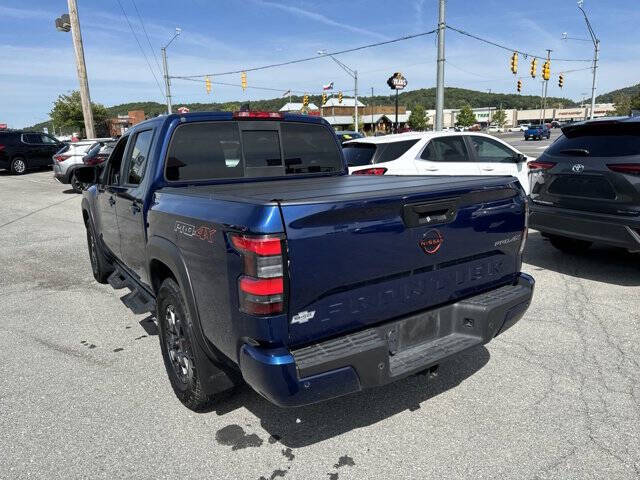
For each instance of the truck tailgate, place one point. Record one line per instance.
(364, 250)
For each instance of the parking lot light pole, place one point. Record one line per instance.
(354, 75)
(596, 49)
(167, 81)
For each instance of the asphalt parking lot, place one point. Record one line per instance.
(83, 391)
(531, 148)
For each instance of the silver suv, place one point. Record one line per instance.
(69, 158)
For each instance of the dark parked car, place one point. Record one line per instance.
(21, 151)
(537, 132)
(585, 187)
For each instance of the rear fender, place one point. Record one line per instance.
(217, 374)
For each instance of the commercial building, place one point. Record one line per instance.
(119, 125)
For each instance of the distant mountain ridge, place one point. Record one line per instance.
(453, 98)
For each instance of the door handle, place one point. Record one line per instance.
(112, 201)
(135, 208)
(431, 169)
(487, 169)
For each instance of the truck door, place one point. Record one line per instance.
(106, 198)
(130, 212)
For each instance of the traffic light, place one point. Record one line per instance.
(324, 98)
(519, 86)
(514, 63)
(207, 84)
(305, 100)
(339, 97)
(534, 67)
(546, 70)
(243, 80)
(561, 80)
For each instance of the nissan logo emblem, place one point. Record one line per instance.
(431, 241)
(578, 168)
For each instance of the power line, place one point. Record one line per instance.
(526, 54)
(308, 59)
(144, 29)
(140, 47)
(271, 89)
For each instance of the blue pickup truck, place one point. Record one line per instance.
(537, 132)
(264, 262)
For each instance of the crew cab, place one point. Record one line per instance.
(537, 132)
(265, 262)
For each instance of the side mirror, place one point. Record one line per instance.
(88, 175)
(519, 158)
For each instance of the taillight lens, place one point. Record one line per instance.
(61, 158)
(1, 147)
(92, 160)
(263, 115)
(525, 232)
(538, 165)
(630, 168)
(261, 287)
(371, 171)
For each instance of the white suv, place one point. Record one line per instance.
(436, 153)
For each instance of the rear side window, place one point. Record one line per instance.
(309, 149)
(213, 150)
(445, 149)
(394, 150)
(31, 138)
(604, 141)
(138, 157)
(358, 154)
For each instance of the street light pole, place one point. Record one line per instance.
(440, 71)
(85, 98)
(165, 67)
(596, 49)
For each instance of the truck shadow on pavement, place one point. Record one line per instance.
(303, 426)
(600, 263)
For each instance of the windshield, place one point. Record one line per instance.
(358, 154)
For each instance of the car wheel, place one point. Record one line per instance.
(18, 166)
(177, 345)
(569, 245)
(100, 265)
(76, 184)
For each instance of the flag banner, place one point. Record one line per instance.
(328, 87)
(286, 93)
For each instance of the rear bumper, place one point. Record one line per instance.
(616, 230)
(381, 355)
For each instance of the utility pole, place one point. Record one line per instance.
(596, 49)
(85, 98)
(372, 129)
(440, 71)
(355, 77)
(167, 81)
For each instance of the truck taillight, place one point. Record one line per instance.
(261, 287)
(525, 232)
(371, 171)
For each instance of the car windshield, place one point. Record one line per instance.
(358, 154)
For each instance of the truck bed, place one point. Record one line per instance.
(299, 191)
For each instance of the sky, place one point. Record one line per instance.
(37, 62)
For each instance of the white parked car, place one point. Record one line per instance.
(524, 127)
(436, 153)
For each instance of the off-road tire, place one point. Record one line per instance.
(177, 344)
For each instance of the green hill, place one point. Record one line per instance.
(609, 96)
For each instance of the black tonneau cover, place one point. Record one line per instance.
(347, 187)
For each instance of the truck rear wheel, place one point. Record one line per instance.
(100, 266)
(569, 245)
(177, 345)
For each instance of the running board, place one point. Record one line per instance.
(138, 300)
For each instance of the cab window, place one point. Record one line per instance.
(137, 158)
